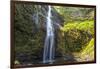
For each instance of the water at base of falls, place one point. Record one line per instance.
(48, 54)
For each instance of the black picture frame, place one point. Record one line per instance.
(46, 3)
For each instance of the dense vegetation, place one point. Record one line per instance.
(78, 32)
(74, 30)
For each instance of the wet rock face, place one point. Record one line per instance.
(30, 31)
(40, 17)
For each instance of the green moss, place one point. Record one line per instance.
(84, 26)
(88, 49)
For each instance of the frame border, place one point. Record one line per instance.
(12, 56)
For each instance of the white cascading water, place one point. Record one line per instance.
(48, 54)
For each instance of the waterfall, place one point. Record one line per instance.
(48, 54)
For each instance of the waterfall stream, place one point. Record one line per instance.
(48, 54)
